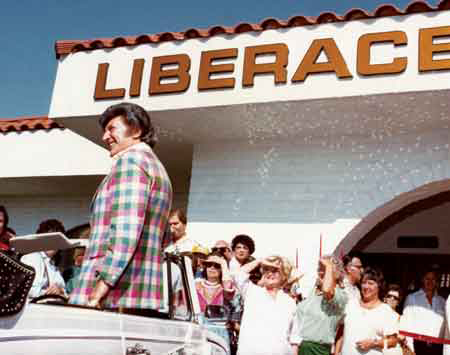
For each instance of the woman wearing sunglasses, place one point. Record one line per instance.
(216, 286)
(216, 289)
(268, 310)
(393, 298)
(319, 314)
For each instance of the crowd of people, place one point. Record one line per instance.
(349, 311)
(52, 276)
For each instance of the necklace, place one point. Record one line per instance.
(211, 283)
(210, 290)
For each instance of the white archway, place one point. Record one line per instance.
(394, 210)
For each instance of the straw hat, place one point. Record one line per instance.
(281, 263)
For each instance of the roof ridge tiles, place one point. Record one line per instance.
(387, 10)
(28, 123)
(64, 47)
(326, 17)
(418, 6)
(356, 14)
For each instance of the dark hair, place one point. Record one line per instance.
(204, 274)
(180, 214)
(347, 259)
(135, 116)
(5, 214)
(243, 239)
(51, 225)
(430, 268)
(397, 288)
(376, 275)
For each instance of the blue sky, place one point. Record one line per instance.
(29, 29)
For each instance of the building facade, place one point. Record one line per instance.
(312, 135)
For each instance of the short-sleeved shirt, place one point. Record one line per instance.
(317, 318)
(362, 323)
(266, 320)
(46, 273)
(419, 316)
(183, 245)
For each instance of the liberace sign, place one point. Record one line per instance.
(171, 73)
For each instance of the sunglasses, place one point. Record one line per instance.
(220, 249)
(210, 264)
(393, 296)
(272, 269)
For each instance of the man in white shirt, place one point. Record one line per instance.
(353, 271)
(180, 242)
(48, 279)
(424, 313)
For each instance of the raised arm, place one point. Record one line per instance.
(329, 279)
(247, 268)
(241, 278)
(227, 281)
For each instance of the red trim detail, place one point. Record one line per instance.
(426, 338)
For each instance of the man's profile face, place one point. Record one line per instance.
(177, 228)
(355, 269)
(118, 135)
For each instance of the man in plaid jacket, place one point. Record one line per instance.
(129, 213)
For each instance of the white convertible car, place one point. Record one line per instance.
(55, 328)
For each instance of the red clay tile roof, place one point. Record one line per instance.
(28, 124)
(71, 46)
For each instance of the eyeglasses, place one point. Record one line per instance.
(272, 269)
(220, 249)
(393, 296)
(210, 264)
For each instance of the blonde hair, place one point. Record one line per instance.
(285, 267)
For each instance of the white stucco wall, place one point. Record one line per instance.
(26, 212)
(286, 194)
(55, 152)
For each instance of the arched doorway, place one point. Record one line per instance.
(406, 235)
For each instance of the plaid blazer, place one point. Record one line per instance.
(129, 215)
